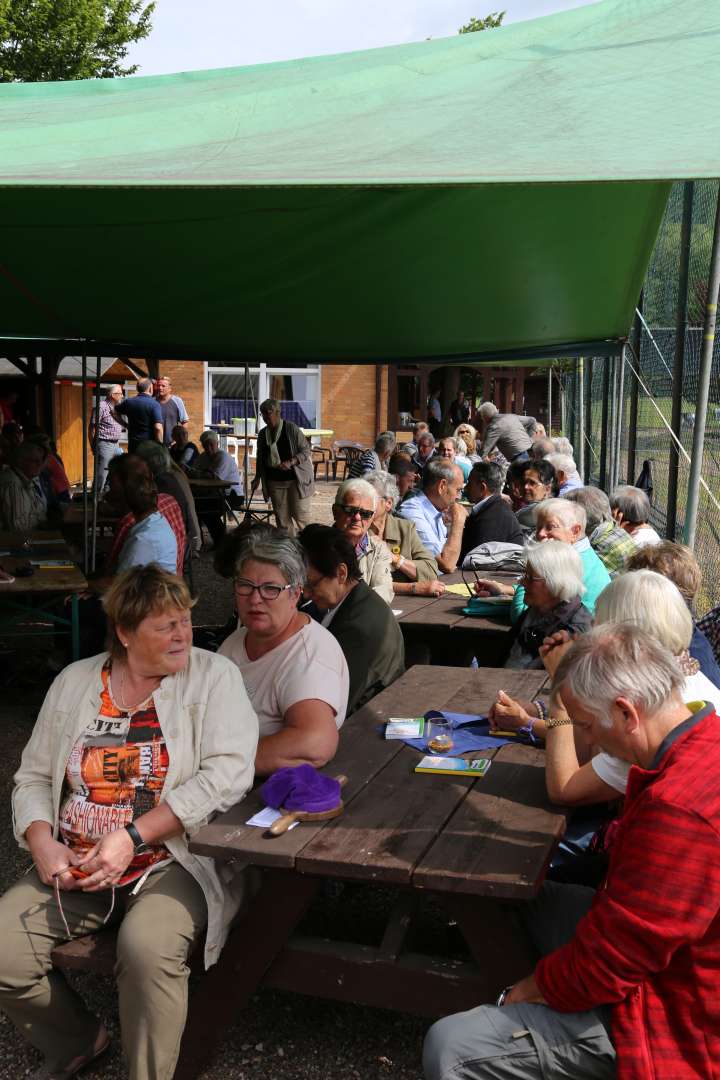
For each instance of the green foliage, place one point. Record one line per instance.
(490, 22)
(42, 40)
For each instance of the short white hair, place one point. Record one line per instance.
(487, 410)
(595, 504)
(619, 661)
(570, 513)
(360, 487)
(563, 446)
(650, 601)
(632, 502)
(384, 484)
(562, 463)
(560, 567)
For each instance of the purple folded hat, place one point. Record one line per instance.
(301, 787)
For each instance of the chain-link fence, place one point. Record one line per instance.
(619, 409)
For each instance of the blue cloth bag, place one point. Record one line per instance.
(470, 732)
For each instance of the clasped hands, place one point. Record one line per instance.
(99, 868)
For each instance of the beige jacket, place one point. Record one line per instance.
(211, 733)
(376, 568)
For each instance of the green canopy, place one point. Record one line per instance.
(452, 199)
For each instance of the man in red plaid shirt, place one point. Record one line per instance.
(627, 985)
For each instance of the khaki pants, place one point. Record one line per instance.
(156, 930)
(290, 509)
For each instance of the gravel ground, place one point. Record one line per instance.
(278, 1036)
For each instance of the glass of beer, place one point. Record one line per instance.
(441, 736)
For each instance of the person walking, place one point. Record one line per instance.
(104, 431)
(284, 469)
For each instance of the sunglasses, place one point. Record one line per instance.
(355, 511)
(267, 590)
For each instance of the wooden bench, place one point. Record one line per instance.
(96, 953)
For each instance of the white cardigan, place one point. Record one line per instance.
(211, 733)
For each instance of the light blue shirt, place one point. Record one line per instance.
(428, 521)
(151, 540)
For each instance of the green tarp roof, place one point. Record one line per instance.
(453, 198)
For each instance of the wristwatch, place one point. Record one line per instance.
(557, 721)
(138, 843)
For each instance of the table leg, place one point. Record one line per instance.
(75, 626)
(499, 945)
(258, 938)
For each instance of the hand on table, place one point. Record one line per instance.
(429, 588)
(106, 862)
(507, 714)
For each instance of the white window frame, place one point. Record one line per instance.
(264, 372)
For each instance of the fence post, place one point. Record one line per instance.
(604, 422)
(706, 358)
(636, 342)
(580, 415)
(549, 427)
(588, 420)
(679, 363)
(620, 413)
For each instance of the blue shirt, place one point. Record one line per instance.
(150, 541)
(428, 521)
(142, 414)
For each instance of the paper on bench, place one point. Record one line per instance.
(264, 818)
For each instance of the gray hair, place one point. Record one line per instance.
(650, 601)
(619, 660)
(490, 473)
(111, 390)
(632, 502)
(541, 448)
(563, 445)
(385, 442)
(360, 486)
(595, 503)
(269, 405)
(487, 410)
(570, 513)
(459, 445)
(560, 567)
(143, 385)
(155, 455)
(425, 436)
(563, 463)
(384, 484)
(209, 436)
(284, 552)
(436, 470)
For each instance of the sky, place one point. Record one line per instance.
(188, 35)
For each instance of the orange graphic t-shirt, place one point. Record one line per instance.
(115, 773)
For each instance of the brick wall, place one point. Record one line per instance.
(349, 401)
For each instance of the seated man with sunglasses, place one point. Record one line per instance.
(353, 511)
(294, 670)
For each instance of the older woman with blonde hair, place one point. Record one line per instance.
(467, 435)
(355, 506)
(133, 750)
(414, 570)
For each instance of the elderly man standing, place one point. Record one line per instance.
(511, 434)
(627, 983)
(442, 482)
(353, 511)
(104, 431)
(142, 414)
(284, 468)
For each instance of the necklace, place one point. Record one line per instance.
(120, 701)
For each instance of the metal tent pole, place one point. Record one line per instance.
(246, 462)
(96, 493)
(604, 422)
(706, 358)
(84, 459)
(679, 364)
(580, 416)
(620, 414)
(550, 377)
(588, 420)
(636, 340)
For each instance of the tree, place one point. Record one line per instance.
(42, 40)
(490, 22)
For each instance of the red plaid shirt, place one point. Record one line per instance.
(172, 513)
(650, 944)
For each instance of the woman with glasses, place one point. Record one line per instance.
(538, 484)
(356, 503)
(293, 669)
(362, 623)
(553, 584)
(133, 750)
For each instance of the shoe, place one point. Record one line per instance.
(99, 1047)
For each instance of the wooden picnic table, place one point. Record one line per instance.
(471, 843)
(426, 620)
(43, 593)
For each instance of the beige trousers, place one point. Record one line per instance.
(291, 512)
(156, 930)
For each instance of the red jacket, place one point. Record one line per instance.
(650, 944)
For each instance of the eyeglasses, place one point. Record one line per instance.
(267, 590)
(355, 511)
